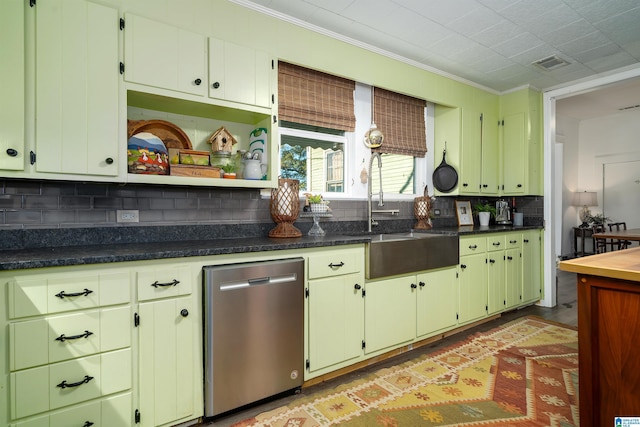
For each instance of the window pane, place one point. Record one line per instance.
(398, 174)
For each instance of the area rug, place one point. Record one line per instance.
(524, 373)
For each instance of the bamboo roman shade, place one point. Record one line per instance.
(314, 98)
(401, 120)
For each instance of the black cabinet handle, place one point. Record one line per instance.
(492, 261)
(473, 246)
(332, 265)
(157, 285)
(484, 185)
(465, 184)
(109, 160)
(513, 242)
(509, 258)
(11, 152)
(62, 294)
(63, 338)
(463, 266)
(87, 424)
(496, 243)
(422, 284)
(519, 185)
(64, 384)
(184, 312)
(414, 286)
(357, 287)
(197, 82)
(215, 85)
(526, 240)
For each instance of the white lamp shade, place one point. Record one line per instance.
(585, 198)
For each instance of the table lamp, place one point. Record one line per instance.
(585, 199)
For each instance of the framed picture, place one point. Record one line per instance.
(463, 211)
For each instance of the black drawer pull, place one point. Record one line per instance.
(197, 82)
(513, 242)
(492, 261)
(496, 243)
(184, 312)
(332, 265)
(422, 284)
(12, 152)
(414, 286)
(109, 161)
(172, 283)
(63, 338)
(473, 246)
(526, 240)
(463, 266)
(357, 287)
(215, 85)
(87, 424)
(64, 384)
(62, 294)
(509, 258)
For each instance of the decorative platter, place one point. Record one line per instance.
(171, 135)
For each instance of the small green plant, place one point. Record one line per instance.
(315, 198)
(228, 168)
(597, 219)
(485, 207)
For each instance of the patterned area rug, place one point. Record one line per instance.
(524, 373)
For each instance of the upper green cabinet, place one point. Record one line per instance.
(522, 166)
(12, 94)
(76, 88)
(164, 56)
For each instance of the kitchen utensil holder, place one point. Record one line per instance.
(284, 208)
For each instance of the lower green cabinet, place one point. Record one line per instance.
(473, 288)
(436, 301)
(389, 313)
(531, 266)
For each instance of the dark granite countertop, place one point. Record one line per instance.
(81, 252)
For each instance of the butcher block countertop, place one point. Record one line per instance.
(624, 265)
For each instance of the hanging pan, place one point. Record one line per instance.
(445, 177)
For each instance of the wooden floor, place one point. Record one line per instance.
(564, 312)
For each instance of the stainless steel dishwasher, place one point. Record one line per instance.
(253, 332)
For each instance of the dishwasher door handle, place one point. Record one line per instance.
(269, 280)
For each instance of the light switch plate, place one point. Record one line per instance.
(127, 215)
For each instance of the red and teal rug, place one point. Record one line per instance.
(524, 373)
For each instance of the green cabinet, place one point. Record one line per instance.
(389, 313)
(77, 88)
(522, 161)
(334, 310)
(496, 279)
(12, 89)
(473, 289)
(531, 266)
(164, 56)
(436, 301)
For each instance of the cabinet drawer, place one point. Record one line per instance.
(336, 263)
(164, 282)
(53, 386)
(472, 245)
(513, 241)
(111, 411)
(55, 293)
(496, 242)
(58, 338)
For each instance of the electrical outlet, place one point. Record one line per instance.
(436, 212)
(127, 216)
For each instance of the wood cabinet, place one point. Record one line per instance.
(389, 313)
(239, 74)
(335, 309)
(522, 162)
(164, 56)
(436, 301)
(12, 90)
(77, 89)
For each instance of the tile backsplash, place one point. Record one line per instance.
(32, 204)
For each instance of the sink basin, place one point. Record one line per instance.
(404, 253)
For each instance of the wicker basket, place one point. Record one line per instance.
(285, 208)
(422, 210)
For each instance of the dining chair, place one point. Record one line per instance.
(619, 243)
(599, 244)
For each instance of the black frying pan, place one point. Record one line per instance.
(445, 177)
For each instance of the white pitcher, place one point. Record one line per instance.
(253, 169)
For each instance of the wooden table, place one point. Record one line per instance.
(632, 234)
(608, 333)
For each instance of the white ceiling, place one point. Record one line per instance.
(491, 43)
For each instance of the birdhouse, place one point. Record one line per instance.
(221, 140)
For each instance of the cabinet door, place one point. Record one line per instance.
(239, 74)
(390, 313)
(496, 286)
(513, 269)
(12, 88)
(473, 288)
(514, 155)
(164, 56)
(471, 152)
(76, 88)
(531, 266)
(336, 315)
(166, 360)
(437, 301)
(490, 154)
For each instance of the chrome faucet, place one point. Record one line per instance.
(370, 211)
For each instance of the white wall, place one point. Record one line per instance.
(567, 133)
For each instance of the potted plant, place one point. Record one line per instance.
(318, 205)
(597, 219)
(229, 171)
(485, 211)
